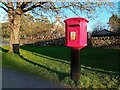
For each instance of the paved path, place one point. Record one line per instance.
(15, 79)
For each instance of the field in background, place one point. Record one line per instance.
(99, 66)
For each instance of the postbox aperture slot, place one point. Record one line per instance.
(74, 25)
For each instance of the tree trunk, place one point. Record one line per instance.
(15, 22)
(14, 37)
(11, 41)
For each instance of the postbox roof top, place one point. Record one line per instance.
(76, 18)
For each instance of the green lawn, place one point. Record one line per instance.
(100, 67)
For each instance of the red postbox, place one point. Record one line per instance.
(76, 38)
(76, 32)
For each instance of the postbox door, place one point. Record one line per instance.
(74, 35)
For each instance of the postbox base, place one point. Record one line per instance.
(75, 64)
(75, 76)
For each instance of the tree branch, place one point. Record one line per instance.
(4, 8)
(24, 4)
(60, 7)
(38, 4)
(4, 3)
(10, 5)
(19, 4)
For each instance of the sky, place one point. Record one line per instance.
(101, 16)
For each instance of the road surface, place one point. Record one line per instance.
(15, 79)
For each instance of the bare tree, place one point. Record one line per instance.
(98, 26)
(16, 9)
(114, 22)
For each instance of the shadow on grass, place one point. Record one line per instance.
(3, 50)
(100, 71)
(59, 52)
(97, 58)
(56, 59)
(100, 58)
(61, 74)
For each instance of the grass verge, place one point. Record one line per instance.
(99, 67)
